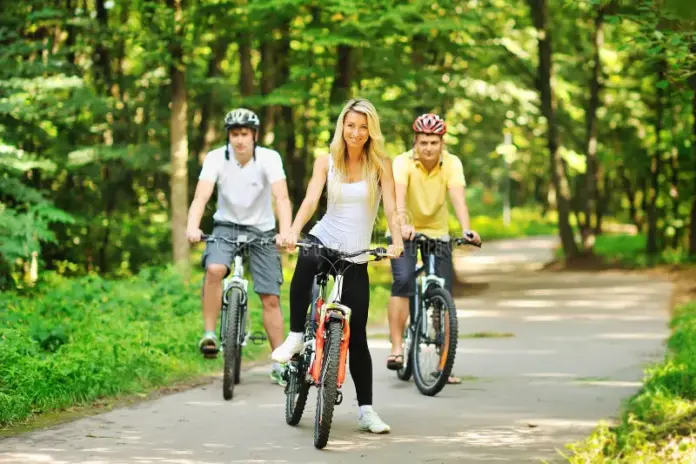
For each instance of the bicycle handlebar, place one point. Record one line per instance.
(378, 253)
(466, 240)
(256, 239)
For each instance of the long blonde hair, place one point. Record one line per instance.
(373, 151)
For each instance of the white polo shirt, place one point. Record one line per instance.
(244, 192)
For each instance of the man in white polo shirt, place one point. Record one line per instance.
(247, 177)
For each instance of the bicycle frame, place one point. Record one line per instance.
(422, 285)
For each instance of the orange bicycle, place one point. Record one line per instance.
(322, 361)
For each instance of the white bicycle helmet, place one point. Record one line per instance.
(242, 117)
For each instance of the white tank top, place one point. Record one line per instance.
(349, 220)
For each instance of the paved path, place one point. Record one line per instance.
(579, 344)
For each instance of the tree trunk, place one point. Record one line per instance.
(631, 195)
(539, 10)
(343, 76)
(603, 202)
(267, 86)
(179, 143)
(209, 121)
(246, 75)
(418, 59)
(591, 180)
(286, 123)
(656, 166)
(103, 69)
(692, 234)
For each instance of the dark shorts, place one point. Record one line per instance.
(264, 261)
(403, 268)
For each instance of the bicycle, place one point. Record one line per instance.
(432, 327)
(322, 361)
(235, 320)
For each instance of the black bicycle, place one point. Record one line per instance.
(432, 330)
(235, 322)
(322, 361)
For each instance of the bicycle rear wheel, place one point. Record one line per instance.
(327, 390)
(435, 346)
(231, 346)
(296, 391)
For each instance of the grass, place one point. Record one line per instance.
(658, 424)
(79, 340)
(628, 251)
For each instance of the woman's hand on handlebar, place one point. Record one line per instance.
(288, 240)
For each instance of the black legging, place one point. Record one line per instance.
(355, 295)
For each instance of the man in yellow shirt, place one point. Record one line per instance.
(424, 176)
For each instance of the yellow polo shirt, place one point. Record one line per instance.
(426, 192)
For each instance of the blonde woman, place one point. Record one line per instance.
(357, 173)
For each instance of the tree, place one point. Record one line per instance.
(539, 11)
(179, 140)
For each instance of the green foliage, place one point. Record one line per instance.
(523, 223)
(629, 251)
(78, 340)
(658, 423)
(85, 107)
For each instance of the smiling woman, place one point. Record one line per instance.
(357, 173)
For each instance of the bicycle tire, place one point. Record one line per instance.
(407, 370)
(449, 344)
(232, 349)
(238, 365)
(327, 390)
(297, 385)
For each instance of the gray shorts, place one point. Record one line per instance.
(263, 261)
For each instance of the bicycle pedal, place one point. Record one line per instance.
(339, 398)
(258, 338)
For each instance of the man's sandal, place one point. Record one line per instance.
(395, 362)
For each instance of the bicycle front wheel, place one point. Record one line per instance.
(327, 389)
(231, 346)
(435, 342)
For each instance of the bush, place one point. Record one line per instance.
(658, 424)
(82, 339)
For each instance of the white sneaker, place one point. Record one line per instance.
(290, 347)
(371, 422)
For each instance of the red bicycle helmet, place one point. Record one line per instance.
(430, 123)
